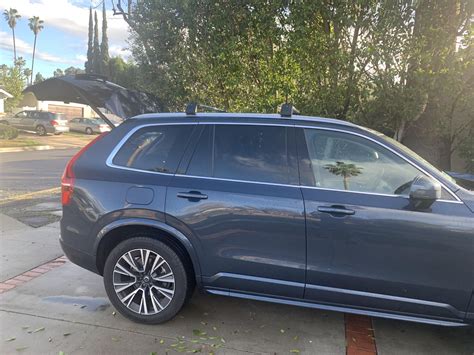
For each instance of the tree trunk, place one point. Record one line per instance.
(346, 182)
(33, 61)
(14, 46)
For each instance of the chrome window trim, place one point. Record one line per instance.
(109, 161)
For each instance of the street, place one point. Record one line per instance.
(49, 305)
(23, 172)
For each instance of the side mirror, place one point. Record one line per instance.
(423, 192)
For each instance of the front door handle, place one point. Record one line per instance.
(337, 210)
(192, 195)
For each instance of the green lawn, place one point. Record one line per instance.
(18, 142)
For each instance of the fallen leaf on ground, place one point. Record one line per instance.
(282, 331)
(162, 341)
(10, 339)
(66, 334)
(198, 332)
(21, 348)
(294, 351)
(38, 330)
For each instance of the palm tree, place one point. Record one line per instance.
(11, 16)
(344, 170)
(36, 25)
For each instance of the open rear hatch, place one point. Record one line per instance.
(98, 93)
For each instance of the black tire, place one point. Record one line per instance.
(40, 130)
(89, 130)
(181, 277)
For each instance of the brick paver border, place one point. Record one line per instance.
(360, 339)
(29, 275)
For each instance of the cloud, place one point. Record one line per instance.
(81, 58)
(67, 16)
(115, 50)
(22, 47)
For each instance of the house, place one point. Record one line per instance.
(3, 96)
(70, 110)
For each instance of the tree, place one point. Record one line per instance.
(391, 65)
(96, 48)
(13, 80)
(12, 16)
(344, 170)
(73, 71)
(36, 25)
(58, 72)
(38, 78)
(90, 49)
(104, 45)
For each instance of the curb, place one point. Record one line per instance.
(33, 148)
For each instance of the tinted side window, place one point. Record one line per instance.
(201, 162)
(252, 153)
(347, 162)
(157, 148)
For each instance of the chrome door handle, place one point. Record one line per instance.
(335, 210)
(192, 195)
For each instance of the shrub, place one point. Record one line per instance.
(8, 132)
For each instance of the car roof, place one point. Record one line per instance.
(236, 116)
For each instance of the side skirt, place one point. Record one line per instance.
(335, 308)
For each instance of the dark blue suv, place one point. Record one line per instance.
(297, 210)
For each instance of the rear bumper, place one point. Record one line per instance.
(61, 129)
(79, 258)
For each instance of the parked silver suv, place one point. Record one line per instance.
(42, 122)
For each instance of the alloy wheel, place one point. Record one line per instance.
(143, 281)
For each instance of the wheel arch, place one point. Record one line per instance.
(114, 233)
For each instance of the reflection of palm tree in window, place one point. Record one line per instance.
(344, 170)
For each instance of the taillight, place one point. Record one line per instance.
(68, 178)
(53, 122)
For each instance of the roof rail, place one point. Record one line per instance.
(287, 110)
(192, 108)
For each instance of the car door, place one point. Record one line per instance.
(29, 122)
(237, 199)
(16, 119)
(73, 124)
(367, 246)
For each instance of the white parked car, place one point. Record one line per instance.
(88, 125)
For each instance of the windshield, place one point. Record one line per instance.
(411, 153)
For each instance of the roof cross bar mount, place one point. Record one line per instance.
(287, 110)
(192, 108)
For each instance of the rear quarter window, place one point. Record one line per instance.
(157, 148)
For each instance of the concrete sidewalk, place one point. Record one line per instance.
(66, 310)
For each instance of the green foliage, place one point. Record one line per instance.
(104, 44)
(13, 79)
(38, 78)
(390, 65)
(73, 71)
(8, 132)
(58, 72)
(96, 48)
(90, 48)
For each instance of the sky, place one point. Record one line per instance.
(63, 41)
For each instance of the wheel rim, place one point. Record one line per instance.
(40, 130)
(88, 131)
(143, 281)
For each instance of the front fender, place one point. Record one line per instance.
(157, 225)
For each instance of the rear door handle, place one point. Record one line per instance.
(192, 195)
(335, 210)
